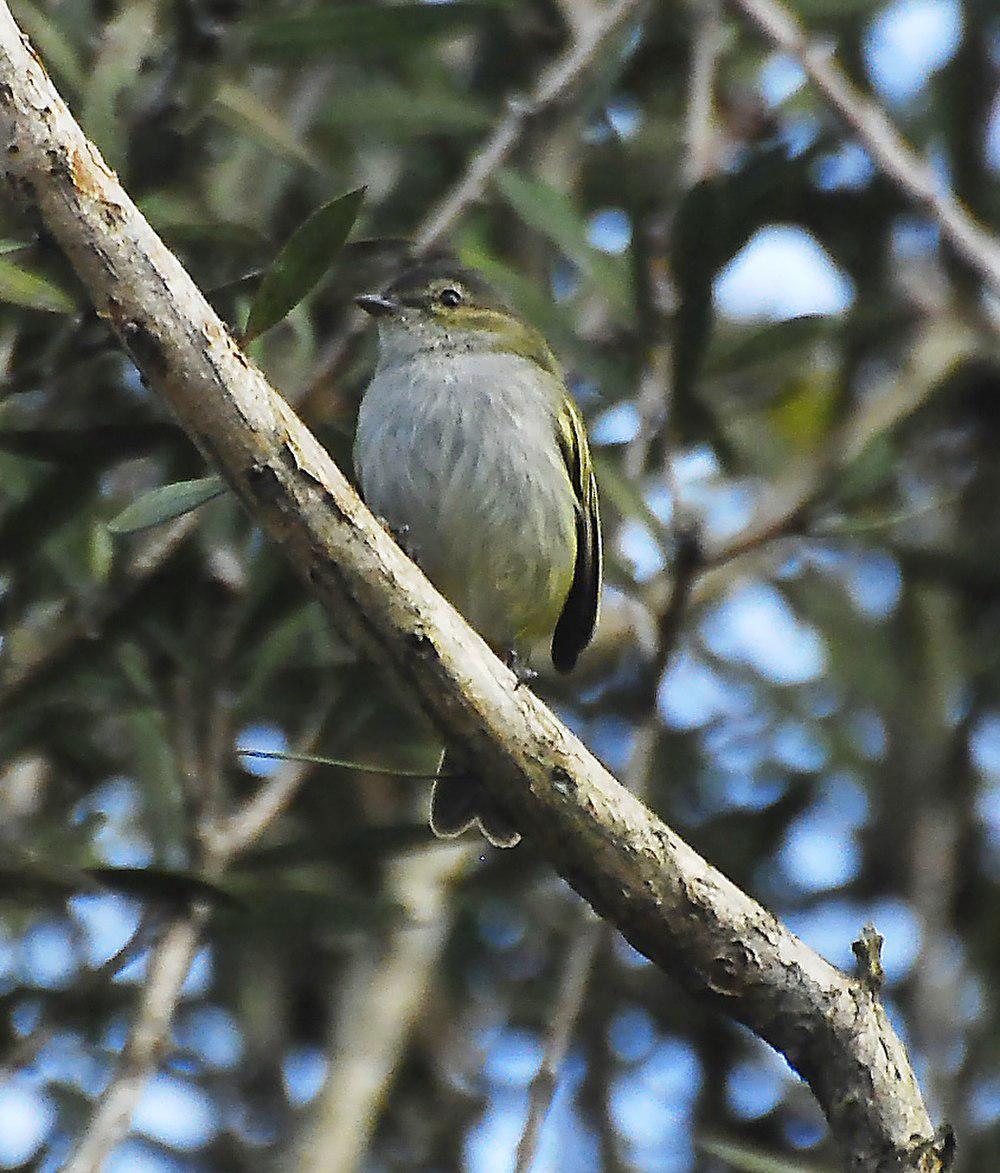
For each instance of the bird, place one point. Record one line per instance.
(470, 449)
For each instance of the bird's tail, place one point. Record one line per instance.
(458, 803)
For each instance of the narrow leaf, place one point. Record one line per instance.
(19, 287)
(312, 249)
(165, 503)
(361, 28)
(747, 1160)
(338, 763)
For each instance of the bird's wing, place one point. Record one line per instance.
(579, 614)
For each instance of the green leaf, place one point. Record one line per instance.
(362, 28)
(165, 503)
(311, 250)
(400, 110)
(553, 214)
(242, 109)
(747, 1160)
(20, 287)
(60, 56)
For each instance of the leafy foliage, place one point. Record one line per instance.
(825, 725)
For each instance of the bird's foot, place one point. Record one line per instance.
(523, 672)
(401, 534)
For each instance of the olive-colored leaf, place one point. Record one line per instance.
(242, 109)
(307, 255)
(21, 287)
(552, 213)
(747, 1160)
(165, 503)
(362, 28)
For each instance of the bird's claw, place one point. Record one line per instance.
(523, 673)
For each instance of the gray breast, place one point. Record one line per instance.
(458, 453)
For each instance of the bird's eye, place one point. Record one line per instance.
(449, 297)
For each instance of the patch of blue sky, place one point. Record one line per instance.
(984, 744)
(802, 1130)
(799, 746)
(782, 272)
(133, 1156)
(211, 1033)
(303, 1073)
(848, 167)
(756, 627)
(627, 953)
(867, 734)
(66, 1059)
(262, 737)
(728, 790)
(625, 115)
(618, 424)
(177, 1113)
(107, 922)
(819, 852)
(610, 230)
(514, 1059)
(632, 1034)
(780, 77)
(984, 1102)
(907, 42)
(798, 134)
(500, 923)
(48, 955)
(755, 1086)
(673, 1072)
(993, 135)
(874, 583)
(199, 975)
(914, 237)
(611, 738)
(26, 1118)
(692, 694)
(639, 550)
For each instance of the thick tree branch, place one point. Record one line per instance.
(682, 913)
(911, 173)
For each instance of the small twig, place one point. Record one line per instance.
(868, 951)
(241, 829)
(572, 990)
(699, 127)
(168, 967)
(911, 173)
(553, 85)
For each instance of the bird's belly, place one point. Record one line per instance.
(491, 524)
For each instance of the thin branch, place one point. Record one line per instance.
(573, 981)
(168, 967)
(688, 918)
(911, 173)
(552, 87)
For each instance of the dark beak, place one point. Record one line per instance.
(377, 305)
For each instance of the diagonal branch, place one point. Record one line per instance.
(911, 173)
(637, 873)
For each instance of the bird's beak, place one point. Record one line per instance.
(377, 305)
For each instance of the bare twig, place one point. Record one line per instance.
(168, 966)
(573, 982)
(911, 173)
(552, 87)
(669, 903)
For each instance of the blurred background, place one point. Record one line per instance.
(792, 386)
